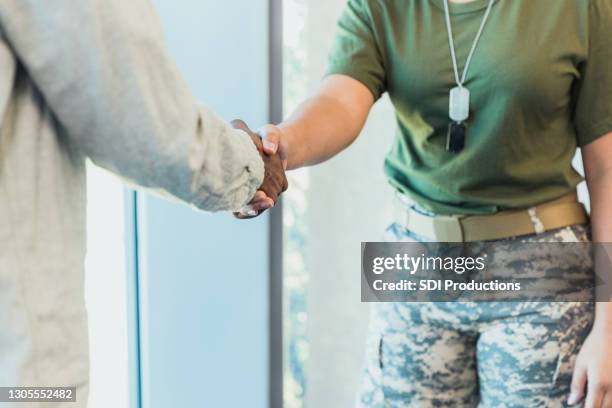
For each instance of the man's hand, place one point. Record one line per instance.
(274, 183)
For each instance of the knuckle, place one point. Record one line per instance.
(599, 385)
(238, 123)
(270, 132)
(605, 384)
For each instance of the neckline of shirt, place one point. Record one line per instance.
(460, 8)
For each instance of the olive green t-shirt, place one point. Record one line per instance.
(540, 83)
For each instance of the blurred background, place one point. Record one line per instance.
(197, 310)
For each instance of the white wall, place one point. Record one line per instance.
(105, 290)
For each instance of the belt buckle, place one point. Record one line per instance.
(448, 228)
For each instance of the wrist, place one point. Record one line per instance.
(288, 138)
(603, 317)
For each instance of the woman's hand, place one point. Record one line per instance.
(275, 141)
(593, 370)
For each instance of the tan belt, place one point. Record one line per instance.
(551, 215)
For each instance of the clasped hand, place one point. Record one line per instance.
(275, 180)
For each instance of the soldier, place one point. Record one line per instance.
(492, 99)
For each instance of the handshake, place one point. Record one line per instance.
(275, 163)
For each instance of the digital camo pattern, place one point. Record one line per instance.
(468, 354)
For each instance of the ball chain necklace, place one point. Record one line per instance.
(459, 100)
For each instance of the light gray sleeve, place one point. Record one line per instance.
(102, 67)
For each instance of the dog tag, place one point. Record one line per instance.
(459, 104)
(455, 141)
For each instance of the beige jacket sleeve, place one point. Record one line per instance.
(102, 67)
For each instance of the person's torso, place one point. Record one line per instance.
(520, 135)
(42, 240)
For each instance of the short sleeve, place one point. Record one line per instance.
(355, 52)
(593, 114)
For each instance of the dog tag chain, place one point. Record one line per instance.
(459, 98)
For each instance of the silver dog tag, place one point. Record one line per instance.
(459, 106)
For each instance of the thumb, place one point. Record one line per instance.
(271, 138)
(579, 380)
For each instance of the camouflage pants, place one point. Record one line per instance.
(460, 354)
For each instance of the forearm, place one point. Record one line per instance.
(319, 129)
(326, 123)
(600, 189)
